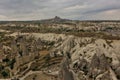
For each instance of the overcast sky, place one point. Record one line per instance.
(69, 9)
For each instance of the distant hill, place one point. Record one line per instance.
(56, 19)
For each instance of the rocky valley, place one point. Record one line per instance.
(60, 49)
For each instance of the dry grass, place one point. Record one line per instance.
(40, 76)
(44, 52)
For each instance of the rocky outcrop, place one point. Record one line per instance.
(85, 58)
(91, 58)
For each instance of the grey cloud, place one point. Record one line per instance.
(40, 9)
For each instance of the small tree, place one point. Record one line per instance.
(11, 63)
(5, 73)
(47, 59)
(1, 67)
